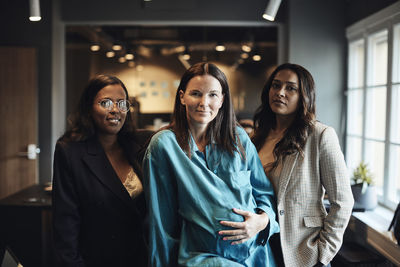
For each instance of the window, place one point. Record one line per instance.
(373, 100)
(394, 141)
(355, 97)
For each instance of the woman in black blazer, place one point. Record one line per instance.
(98, 204)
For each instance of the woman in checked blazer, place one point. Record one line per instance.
(303, 160)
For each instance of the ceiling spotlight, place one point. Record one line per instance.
(95, 47)
(131, 64)
(246, 48)
(34, 7)
(122, 60)
(271, 10)
(244, 55)
(256, 57)
(110, 54)
(186, 55)
(129, 56)
(117, 47)
(220, 47)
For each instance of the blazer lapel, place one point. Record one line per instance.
(98, 163)
(286, 174)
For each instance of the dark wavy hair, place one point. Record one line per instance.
(296, 135)
(81, 124)
(222, 129)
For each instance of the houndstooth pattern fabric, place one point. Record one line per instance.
(308, 233)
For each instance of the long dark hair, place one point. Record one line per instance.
(222, 129)
(296, 135)
(81, 124)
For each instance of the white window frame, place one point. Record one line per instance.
(385, 19)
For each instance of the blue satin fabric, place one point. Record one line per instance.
(188, 197)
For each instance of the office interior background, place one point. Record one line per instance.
(351, 47)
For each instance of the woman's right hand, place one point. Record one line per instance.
(253, 223)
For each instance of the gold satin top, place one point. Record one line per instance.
(133, 184)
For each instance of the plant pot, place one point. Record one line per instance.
(367, 200)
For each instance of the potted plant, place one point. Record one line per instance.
(363, 188)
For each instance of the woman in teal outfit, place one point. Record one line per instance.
(210, 203)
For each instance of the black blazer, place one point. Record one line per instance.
(96, 222)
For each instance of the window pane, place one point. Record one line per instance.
(353, 152)
(378, 55)
(374, 157)
(376, 113)
(356, 64)
(355, 112)
(396, 53)
(394, 173)
(395, 114)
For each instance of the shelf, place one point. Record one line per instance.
(371, 227)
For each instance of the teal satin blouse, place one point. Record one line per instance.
(188, 197)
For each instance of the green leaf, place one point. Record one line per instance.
(363, 175)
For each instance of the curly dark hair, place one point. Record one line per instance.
(81, 125)
(222, 129)
(296, 135)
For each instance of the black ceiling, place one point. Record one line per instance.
(171, 34)
(199, 40)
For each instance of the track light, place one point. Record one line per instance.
(110, 54)
(122, 60)
(95, 47)
(271, 10)
(129, 56)
(256, 57)
(34, 6)
(117, 47)
(220, 47)
(186, 55)
(246, 48)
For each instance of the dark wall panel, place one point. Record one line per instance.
(17, 30)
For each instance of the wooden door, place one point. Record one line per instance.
(18, 118)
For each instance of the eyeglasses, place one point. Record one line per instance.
(122, 105)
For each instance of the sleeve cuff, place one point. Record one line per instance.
(272, 227)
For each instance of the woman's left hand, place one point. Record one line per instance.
(252, 224)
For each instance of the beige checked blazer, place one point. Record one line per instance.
(308, 233)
